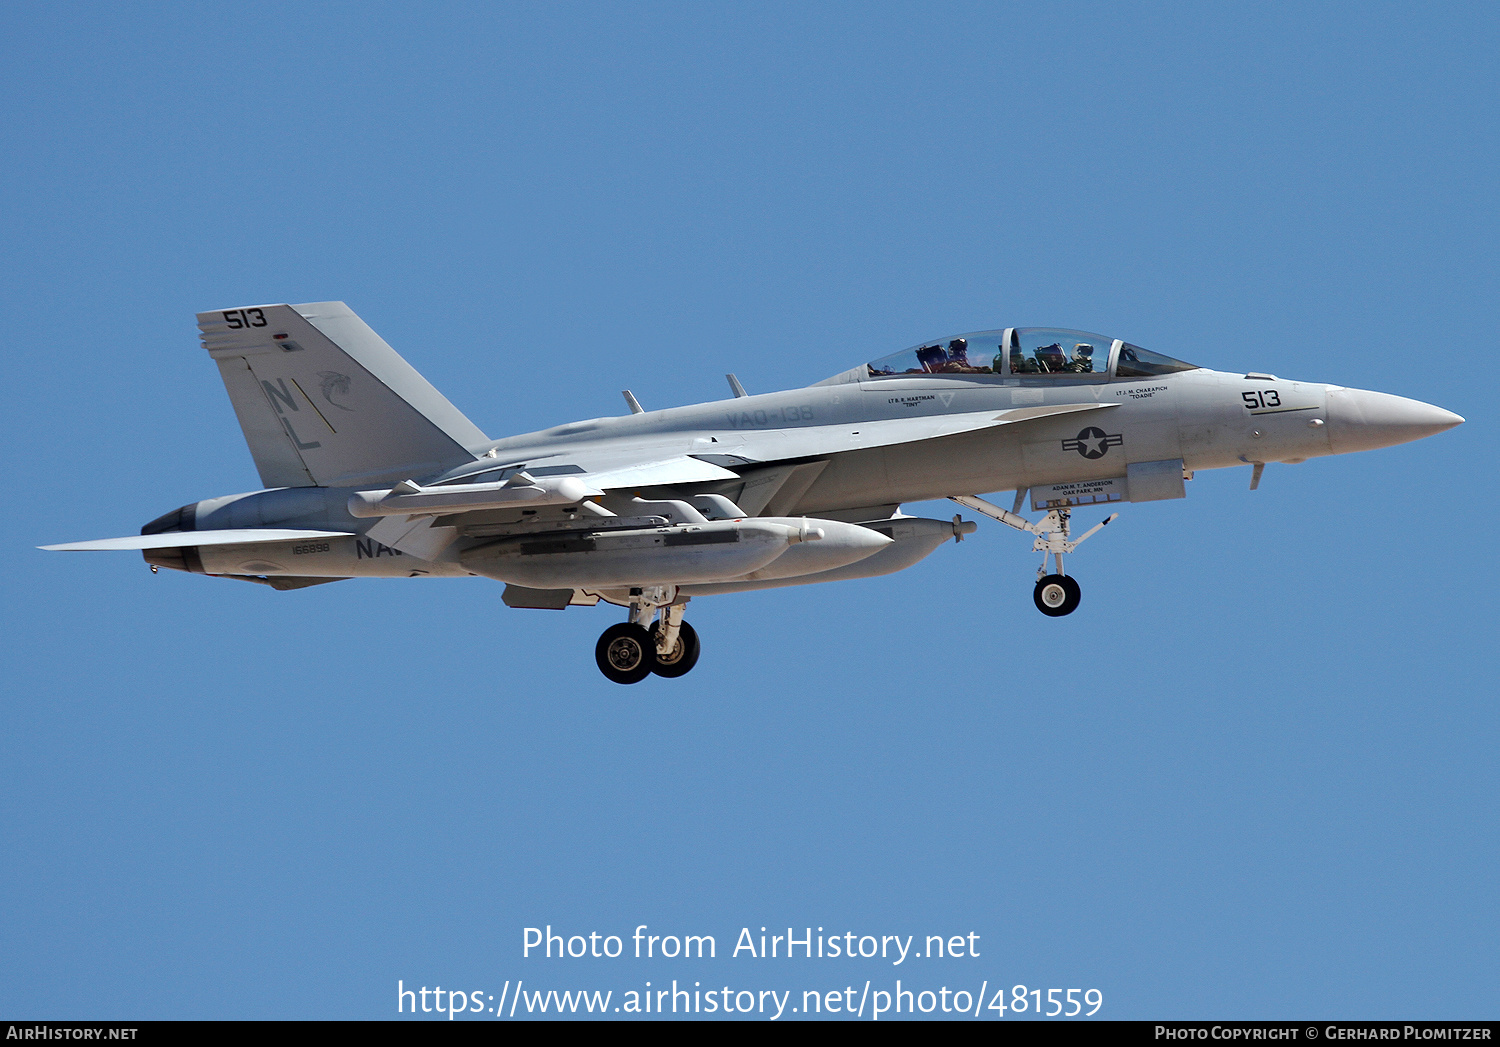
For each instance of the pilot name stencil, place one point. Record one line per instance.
(1143, 393)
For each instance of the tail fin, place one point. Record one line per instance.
(325, 402)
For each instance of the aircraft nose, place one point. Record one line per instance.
(1360, 420)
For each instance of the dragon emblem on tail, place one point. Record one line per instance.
(333, 382)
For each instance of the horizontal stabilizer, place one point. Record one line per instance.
(182, 539)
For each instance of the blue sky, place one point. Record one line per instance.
(1253, 776)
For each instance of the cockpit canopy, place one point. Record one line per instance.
(1038, 351)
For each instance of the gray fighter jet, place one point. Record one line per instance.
(371, 472)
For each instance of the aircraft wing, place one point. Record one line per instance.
(662, 460)
(180, 539)
(681, 469)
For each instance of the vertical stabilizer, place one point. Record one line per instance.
(324, 401)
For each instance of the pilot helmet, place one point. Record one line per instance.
(1083, 351)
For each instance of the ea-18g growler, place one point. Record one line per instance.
(371, 472)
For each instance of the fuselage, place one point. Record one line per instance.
(1118, 428)
(1208, 419)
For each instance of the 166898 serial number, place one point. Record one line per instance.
(309, 547)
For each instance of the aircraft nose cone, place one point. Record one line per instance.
(1360, 420)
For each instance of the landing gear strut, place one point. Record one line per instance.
(1055, 594)
(633, 650)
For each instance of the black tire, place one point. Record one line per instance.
(683, 658)
(625, 653)
(1056, 595)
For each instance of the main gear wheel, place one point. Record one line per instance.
(626, 653)
(682, 657)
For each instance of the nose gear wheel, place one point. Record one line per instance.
(1056, 595)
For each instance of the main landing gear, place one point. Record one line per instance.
(1055, 594)
(630, 652)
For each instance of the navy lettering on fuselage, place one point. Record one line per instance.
(369, 547)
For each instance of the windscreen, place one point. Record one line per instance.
(1136, 362)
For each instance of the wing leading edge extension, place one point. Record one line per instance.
(658, 459)
(771, 445)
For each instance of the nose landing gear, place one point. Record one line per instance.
(630, 652)
(1055, 594)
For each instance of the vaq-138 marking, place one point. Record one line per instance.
(371, 472)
